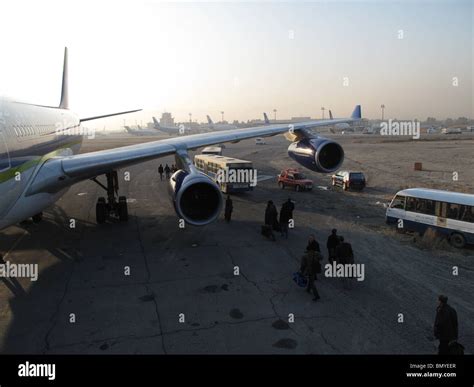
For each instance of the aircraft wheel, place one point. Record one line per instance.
(101, 211)
(123, 209)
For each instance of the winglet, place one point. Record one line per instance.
(356, 114)
(64, 104)
(209, 121)
(265, 118)
(330, 115)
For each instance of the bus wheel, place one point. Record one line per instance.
(457, 240)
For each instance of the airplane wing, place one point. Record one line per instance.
(59, 173)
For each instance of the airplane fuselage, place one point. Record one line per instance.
(29, 136)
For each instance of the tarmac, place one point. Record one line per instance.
(148, 286)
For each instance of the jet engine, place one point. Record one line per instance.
(318, 154)
(196, 198)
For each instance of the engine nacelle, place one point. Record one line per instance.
(196, 198)
(318, 154)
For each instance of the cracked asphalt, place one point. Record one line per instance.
(181, 294)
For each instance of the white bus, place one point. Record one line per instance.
(212, 150)
(450, 213)
(232, 175)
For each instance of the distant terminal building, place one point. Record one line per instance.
(167, 120)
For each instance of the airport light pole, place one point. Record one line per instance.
(382, 107)
(323, 109)
(274, 115)
(222, 115)
(190, 117)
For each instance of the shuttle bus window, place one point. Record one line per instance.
(467, 214)
(398, 202)
(425, 206)
(453, 211)
(411, 204)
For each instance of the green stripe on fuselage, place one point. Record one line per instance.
(12, 172)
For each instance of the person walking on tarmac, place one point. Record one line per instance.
(332, 243)
(310, 266)
(271, 219)
(446, 325)
(160, 171)
(228, 209)
(344, 253)
(286, 213)
(313, 245)
(271, 214)
(167, 171)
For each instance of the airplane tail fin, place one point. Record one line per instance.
(330, 115)
(357, 114)
(155, 121)
(265, 118)
(64, 104)
(209, 121)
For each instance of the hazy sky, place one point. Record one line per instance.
(242, 57)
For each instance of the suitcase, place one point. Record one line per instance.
(300, 280)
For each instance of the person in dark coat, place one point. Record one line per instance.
(313, 245)
(344, 253)
(291, 207)
(228, 209)
(271, 218)
(332, 243)
(310, 267)
(285, 216)
(271, 214)
(446, 325)
(167, 171)
(160, 171)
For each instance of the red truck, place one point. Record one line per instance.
(291, 177)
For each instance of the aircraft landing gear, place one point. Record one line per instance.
(114, 205)
(37, 218)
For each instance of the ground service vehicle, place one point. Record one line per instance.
(349, 180)
(295, 179)
(449, 213)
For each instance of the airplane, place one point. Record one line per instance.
(265, 119)
(171, 130)
(343, 126)
(140, 131)
(39, 161)
(212, 126)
